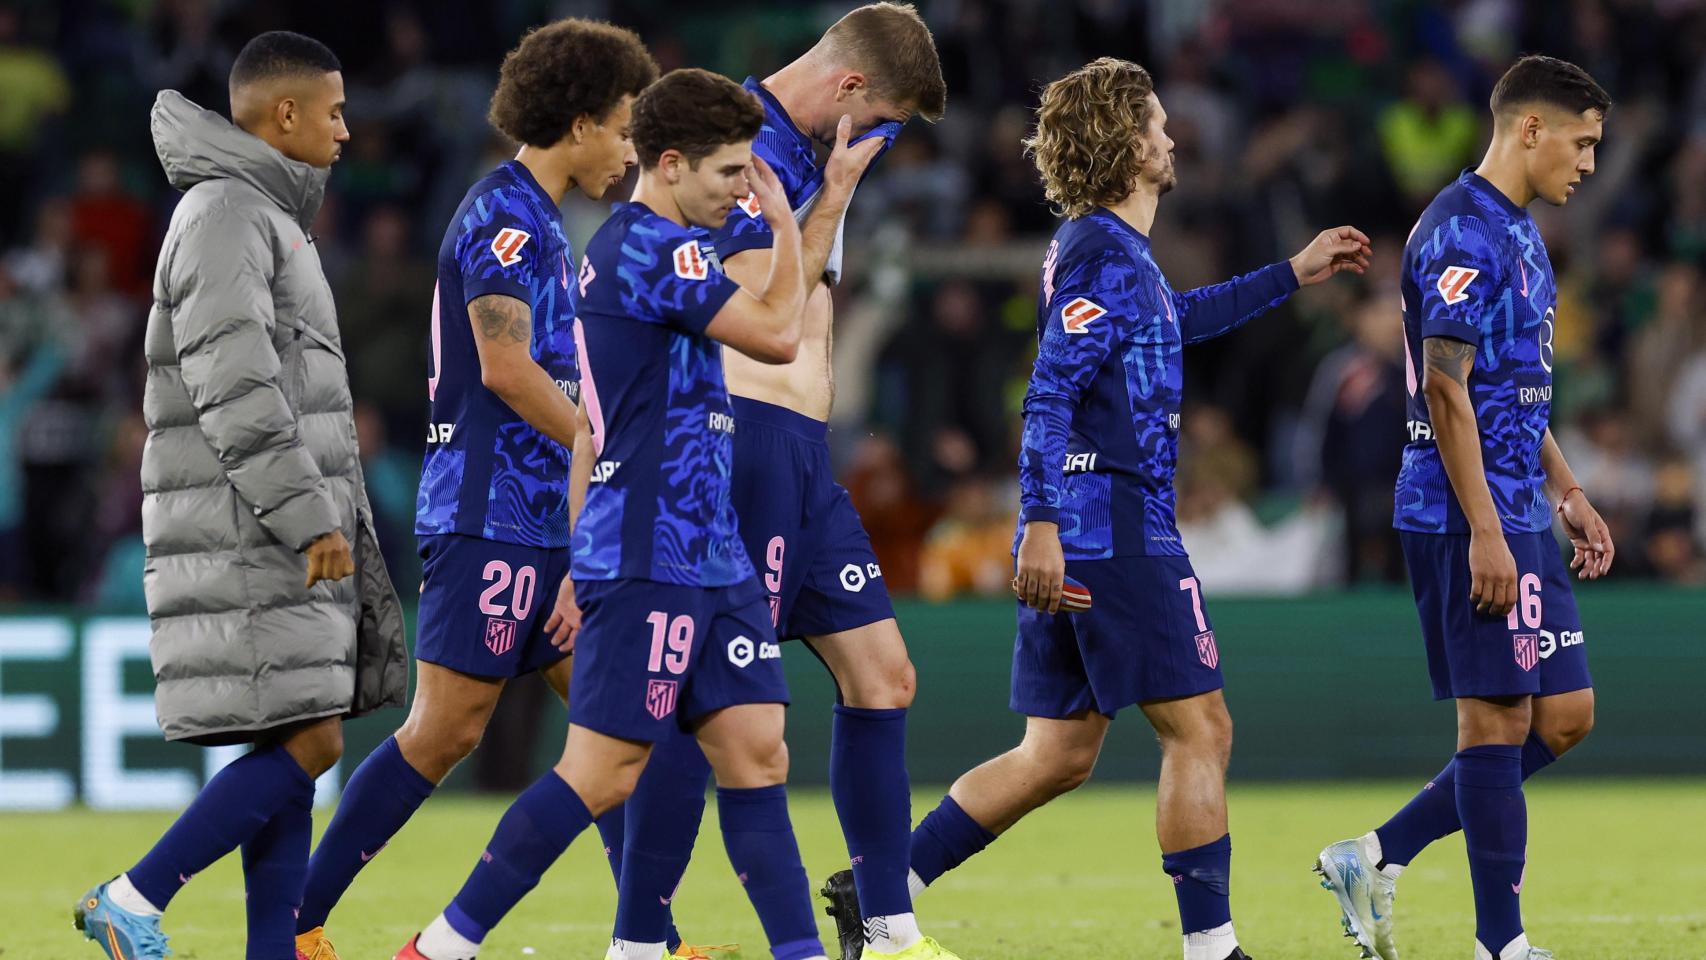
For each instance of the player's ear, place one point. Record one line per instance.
(669, 162)
(1531, 125)
(579, 128)
(851, 84)
(285, 113)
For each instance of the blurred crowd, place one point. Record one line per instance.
(1289, 115)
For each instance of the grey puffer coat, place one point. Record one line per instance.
(251, 455)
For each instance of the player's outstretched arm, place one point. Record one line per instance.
(765, 322)
(1445, 386)
(1220, 308)
(503, 335)
(1589, 537)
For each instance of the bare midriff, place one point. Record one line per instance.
(806, 386)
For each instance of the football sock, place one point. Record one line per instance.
(1432, 813)
(613, 832)
(665, 811)
(1216, 944)
(944, 840)
(380, 796)
(533, 833)
(123, 893)
(873, 798)
(1202, 882)
(629, 950)
(275, 865)
(232, 808)
(765, 856)
(440, 941)
(1495, 829)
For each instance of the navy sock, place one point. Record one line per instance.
(275, 866)
(1432, 813)
(1495, 829)
(946, 838)
(533, 833)
(1202, 882)
(381, 795)
(665, 811)
(613, 832)
(761, 846)
(873, 798)
(231, 809)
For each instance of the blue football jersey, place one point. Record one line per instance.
(488, 473)
(1476, 270)
(658, 506)
(1101, 431)
(792, 154)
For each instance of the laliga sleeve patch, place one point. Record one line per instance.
(506, 246)
(690, 262)
(1077, 316)
(749, 205)
(1454, 283)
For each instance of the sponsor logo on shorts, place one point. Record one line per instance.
(1551, 643)
(660, 697)
(1207, 652)
(742, 651)
(500, 635)
(1527, 650)
(854, 577)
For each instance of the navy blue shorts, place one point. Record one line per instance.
(655, 657)
(1538, 649)
(801, 531)
(484, 604)
(1145, 637)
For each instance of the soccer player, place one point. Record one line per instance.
(675, 632)
(1096, 488)
(492, 512)
(252, 499)
(878, 65)
(1475, 501)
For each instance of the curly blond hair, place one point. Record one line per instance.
(1089, 124)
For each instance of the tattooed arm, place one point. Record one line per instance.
(503, 334)
(1445, 385)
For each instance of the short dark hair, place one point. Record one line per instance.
(694, 111)
(567, 69)
(281, 53)
(1548, 80)
(892, 45)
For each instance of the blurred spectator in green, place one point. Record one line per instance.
(1430, 134)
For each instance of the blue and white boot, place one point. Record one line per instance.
(123, 935)
(1365, 892)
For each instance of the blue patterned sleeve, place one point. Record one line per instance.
(497, 248)
(670, 280)
(1092, 308)
(1219, 308)
(1461, 275)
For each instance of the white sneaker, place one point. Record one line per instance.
(1365, 894)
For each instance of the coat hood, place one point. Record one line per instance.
(196, 145)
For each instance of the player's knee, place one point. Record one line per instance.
(317, 748)
(1562, 733)
(435, 750)
(881, 685)
(768, 761)
(1061, 769)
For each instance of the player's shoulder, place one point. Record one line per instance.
(1463, 219)
(501, 198)
(1099, 249)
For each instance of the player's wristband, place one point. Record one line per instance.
(1566, 496)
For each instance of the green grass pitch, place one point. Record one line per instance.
(1617, 870)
